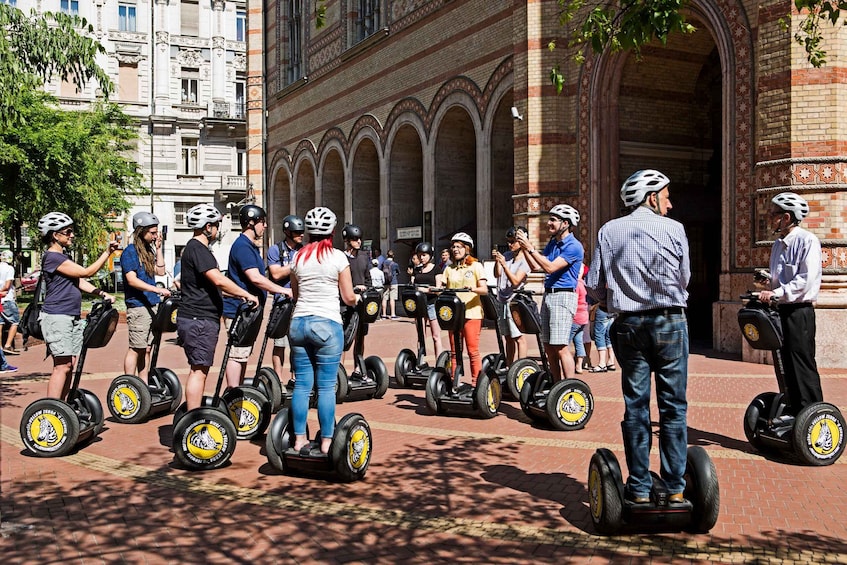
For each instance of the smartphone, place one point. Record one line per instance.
(164, 233)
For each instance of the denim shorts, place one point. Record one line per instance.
(11, 311)
(504, 320)
(62, 334)
(199, 339)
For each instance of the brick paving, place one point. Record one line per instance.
(439, 489)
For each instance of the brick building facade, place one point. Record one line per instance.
(435, 116)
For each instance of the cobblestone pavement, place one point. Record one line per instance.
(439, 488)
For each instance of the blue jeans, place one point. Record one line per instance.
(600, 331)
(645, 344)
(577, 331)
(316, 346)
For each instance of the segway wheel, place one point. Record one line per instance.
(279, 438)
(818, 434)
(490, 362)
(604, 492)
(569, 405)
(342, 386)
(754, 419)
(517, 374)
(204, 439)
(249, 409)
(487, 396)
(49, 428)
(533, 383)
(351, 448)
(182, 409)
(271, 386)
(88, 408)
(173, 386)
(436, 387)
(702, 490)
(444, 361)
(405, 363)
(379, 373)
(129, 399)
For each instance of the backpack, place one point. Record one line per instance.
(387, 270)
(29, 325)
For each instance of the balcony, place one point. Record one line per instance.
(226, 119)
(233, 189)
(229, 110)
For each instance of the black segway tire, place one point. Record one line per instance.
(818, 435)
(532, 383)
(436, 387)
(489, 363)
(342, 386)
(487, 396)
(273, 386)
(249, 409)
(204, 439)
(351, 448)
(49, 428)
(444, 361)
(129, 399)
(517, 374)
(757, 411)
(403, 365)
(570, 405)
(702, 490)
(279, 438)
(172, 384)
(208, 402)
(604, 493)
(89, 408)
(379, 373)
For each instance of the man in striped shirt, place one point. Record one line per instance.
(641, 270)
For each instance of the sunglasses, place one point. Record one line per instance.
(355, 238)
(67, 232)
(511, 241)
(215, 224)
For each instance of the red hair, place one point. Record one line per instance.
(321, 248)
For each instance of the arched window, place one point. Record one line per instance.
(367, 18)
(295, 41)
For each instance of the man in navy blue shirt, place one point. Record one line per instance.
(640, 270)
(246, 269)
(561, 260)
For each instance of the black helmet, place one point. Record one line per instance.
(351, 231)
(513, 231)
(292, 223)
(251, 213)
(424, 247)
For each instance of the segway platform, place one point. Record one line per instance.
(410, 369)
(369, 378)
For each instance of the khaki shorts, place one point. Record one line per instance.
(393, 292)
(240, 354)
(281, 342)
(62, 334)
(139, 321)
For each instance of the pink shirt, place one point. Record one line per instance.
(581, 316)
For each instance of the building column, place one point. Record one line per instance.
(161, 58)
(218, 53)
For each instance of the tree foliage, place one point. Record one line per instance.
(73, 162)
(630, 24)
(37, 47)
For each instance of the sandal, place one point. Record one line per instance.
(598, 369)
(612, 367)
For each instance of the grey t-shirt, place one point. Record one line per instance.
(505, 289)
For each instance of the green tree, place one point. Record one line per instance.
(72, 162)
(630, 24)
(35, 48)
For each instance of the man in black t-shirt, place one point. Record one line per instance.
(199, 314)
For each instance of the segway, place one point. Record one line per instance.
(349, 454)
(204, 438)
(816, 435)
(443, 390)
(494, 365)
(369, 378)
(412, 370)
(612, 512)
(266, 379)
(567, 404)
(130, 400)
(51, 427)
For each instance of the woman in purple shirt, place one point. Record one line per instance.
(60, 313)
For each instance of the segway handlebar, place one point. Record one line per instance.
(754, 295)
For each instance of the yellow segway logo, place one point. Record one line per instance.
(410, 305)
(205, 442)
(46, 429)
(372, 308)
(245, 413)
(824, 436)
(751, 332)
(173, 316)
(445, 313)
(572, 407)
(125, 400)
(359, 448)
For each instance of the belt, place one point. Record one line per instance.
(554, 290)
(670, 310)
(795, 305)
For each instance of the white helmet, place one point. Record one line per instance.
(6, 256)
(463, 237)
(54, 221)
(144, 220)
(793, 203)
(320, 221)
(566, 212)
(202, 214)
(636, 188)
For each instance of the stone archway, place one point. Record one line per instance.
(455, 177)
(405, 189)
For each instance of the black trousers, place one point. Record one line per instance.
(798, 354)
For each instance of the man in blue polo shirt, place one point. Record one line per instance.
(562, 261)
(246, 269)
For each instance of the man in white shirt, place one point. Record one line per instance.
(796, 273)
(11, 313)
